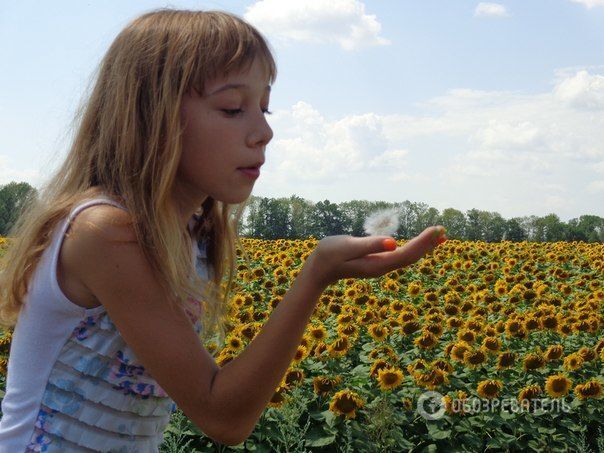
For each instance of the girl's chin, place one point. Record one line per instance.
(234, 199)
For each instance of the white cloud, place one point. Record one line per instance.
(590, 3)
(583, 90)
(317, 21)
(490, 10)
(498, 134)
(334, 149)
(392, 162)
(518, 154)
(596, 186)
(8, 174)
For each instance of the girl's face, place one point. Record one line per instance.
(225, 132)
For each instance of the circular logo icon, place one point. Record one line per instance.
(431, 406)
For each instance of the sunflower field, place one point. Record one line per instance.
(478, 346)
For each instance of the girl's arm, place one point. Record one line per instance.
(245, 385)
(224, 403)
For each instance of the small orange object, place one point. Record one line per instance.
(389, 244)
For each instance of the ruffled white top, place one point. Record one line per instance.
(73, 384)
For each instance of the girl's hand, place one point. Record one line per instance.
(337, 257)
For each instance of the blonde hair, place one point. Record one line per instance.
(128, 146)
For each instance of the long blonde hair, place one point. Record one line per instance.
(128, 145)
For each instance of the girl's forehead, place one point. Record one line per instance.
(252, 74)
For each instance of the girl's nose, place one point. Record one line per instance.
(261, 135)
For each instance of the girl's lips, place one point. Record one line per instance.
(252, 172)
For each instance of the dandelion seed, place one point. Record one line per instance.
(382, 223)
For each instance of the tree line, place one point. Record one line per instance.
(297, 218)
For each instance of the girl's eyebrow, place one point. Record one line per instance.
(231, 86)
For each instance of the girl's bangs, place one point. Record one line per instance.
(233, 50)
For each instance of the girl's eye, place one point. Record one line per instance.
(232, 112)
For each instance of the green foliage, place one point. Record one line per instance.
(14, 197)
(297, 218)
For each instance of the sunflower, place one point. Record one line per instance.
(588, 354)
(557, 385)
(454, 322)
(234, 343)
(409, 327)
(554, 352)
(376, 366)
(245, 316)
(491, 345)
(224, 357)
(258, 272)
(407, 404)
(414, 288)
(442, 364)
(549, 322)
(238, 300)
(531, 323)
(434, 327)
(590, 389)
(430, 379)
(529, 393)
(323, 385)
(293, 377)
(533, 361)
(301, 354)
(378, 332)
(564, 329)
(346, 402)
(506, 359)
(408, 315)
(427, 340)
(466, 335)
(318, 349)
(317, 333)
(345, 318)
(391, 285)
(573, 362)
(473, 358)
(367, 317)
(350, 293)
(431, 297)
(279, 397)
(390, 378)
(458, 350)
(3, 366)
(419, 364)
(451, 309)
(383, 350)
(211, 347)
(512, 326)
(350, 330)
(489, 388)
(455, 406)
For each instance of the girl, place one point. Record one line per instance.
(100, 282)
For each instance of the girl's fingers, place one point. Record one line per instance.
(417, 247)
(384, 254)
(373, 256)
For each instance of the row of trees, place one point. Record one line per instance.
(13, 197)
(297, 218)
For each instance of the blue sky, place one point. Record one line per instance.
(497, 106)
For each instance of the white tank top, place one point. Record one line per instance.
(73, 384)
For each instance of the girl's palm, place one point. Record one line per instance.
(337, 257)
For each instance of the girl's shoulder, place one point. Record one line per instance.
(103, 222)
